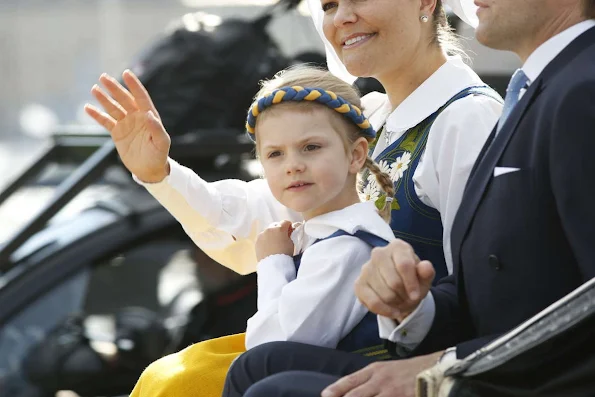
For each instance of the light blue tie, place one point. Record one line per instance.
(518, 81)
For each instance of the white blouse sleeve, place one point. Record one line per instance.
(223, 218)
(319, 306)
(455, 140)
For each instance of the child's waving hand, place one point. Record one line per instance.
(134, 124)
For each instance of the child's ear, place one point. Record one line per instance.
(359, 154)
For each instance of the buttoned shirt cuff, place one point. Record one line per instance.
(412, 331)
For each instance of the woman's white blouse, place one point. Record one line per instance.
(223, 218)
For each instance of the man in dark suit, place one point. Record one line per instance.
(524, 235)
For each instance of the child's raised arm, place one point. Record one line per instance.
(223, 218)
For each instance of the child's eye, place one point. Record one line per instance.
(328, 6)
(311, 147)
(276, 153)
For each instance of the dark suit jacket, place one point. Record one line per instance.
(524, 239)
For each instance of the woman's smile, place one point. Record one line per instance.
(356, 40)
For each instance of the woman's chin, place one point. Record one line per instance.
(358, 67)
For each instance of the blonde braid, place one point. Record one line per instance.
(386, 184)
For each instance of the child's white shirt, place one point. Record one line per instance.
(317, 305)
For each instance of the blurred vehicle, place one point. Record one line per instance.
(103, 281)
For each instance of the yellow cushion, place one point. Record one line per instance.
(197, 371)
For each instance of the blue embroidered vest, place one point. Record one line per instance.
(412, 220)
(364, 337)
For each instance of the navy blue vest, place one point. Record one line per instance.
(412, 220)
(363, 338)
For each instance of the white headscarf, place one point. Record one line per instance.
(464, 9)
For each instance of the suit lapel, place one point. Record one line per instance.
(484, 169)
(481, 155)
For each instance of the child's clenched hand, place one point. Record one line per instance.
(275, 240)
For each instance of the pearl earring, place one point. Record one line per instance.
(424, 18)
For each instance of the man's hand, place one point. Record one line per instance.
(383, 379)
(275, 240)
(394, 281)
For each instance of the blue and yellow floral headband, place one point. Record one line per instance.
(297, 94)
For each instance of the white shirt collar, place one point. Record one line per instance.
(450, 79)
(546, 52)
(360, 216)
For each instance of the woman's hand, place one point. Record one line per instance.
(275, 240)
(135, 126)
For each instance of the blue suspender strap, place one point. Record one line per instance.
(371, 239)
(367, 237)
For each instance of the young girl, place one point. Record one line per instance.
(312, 140)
